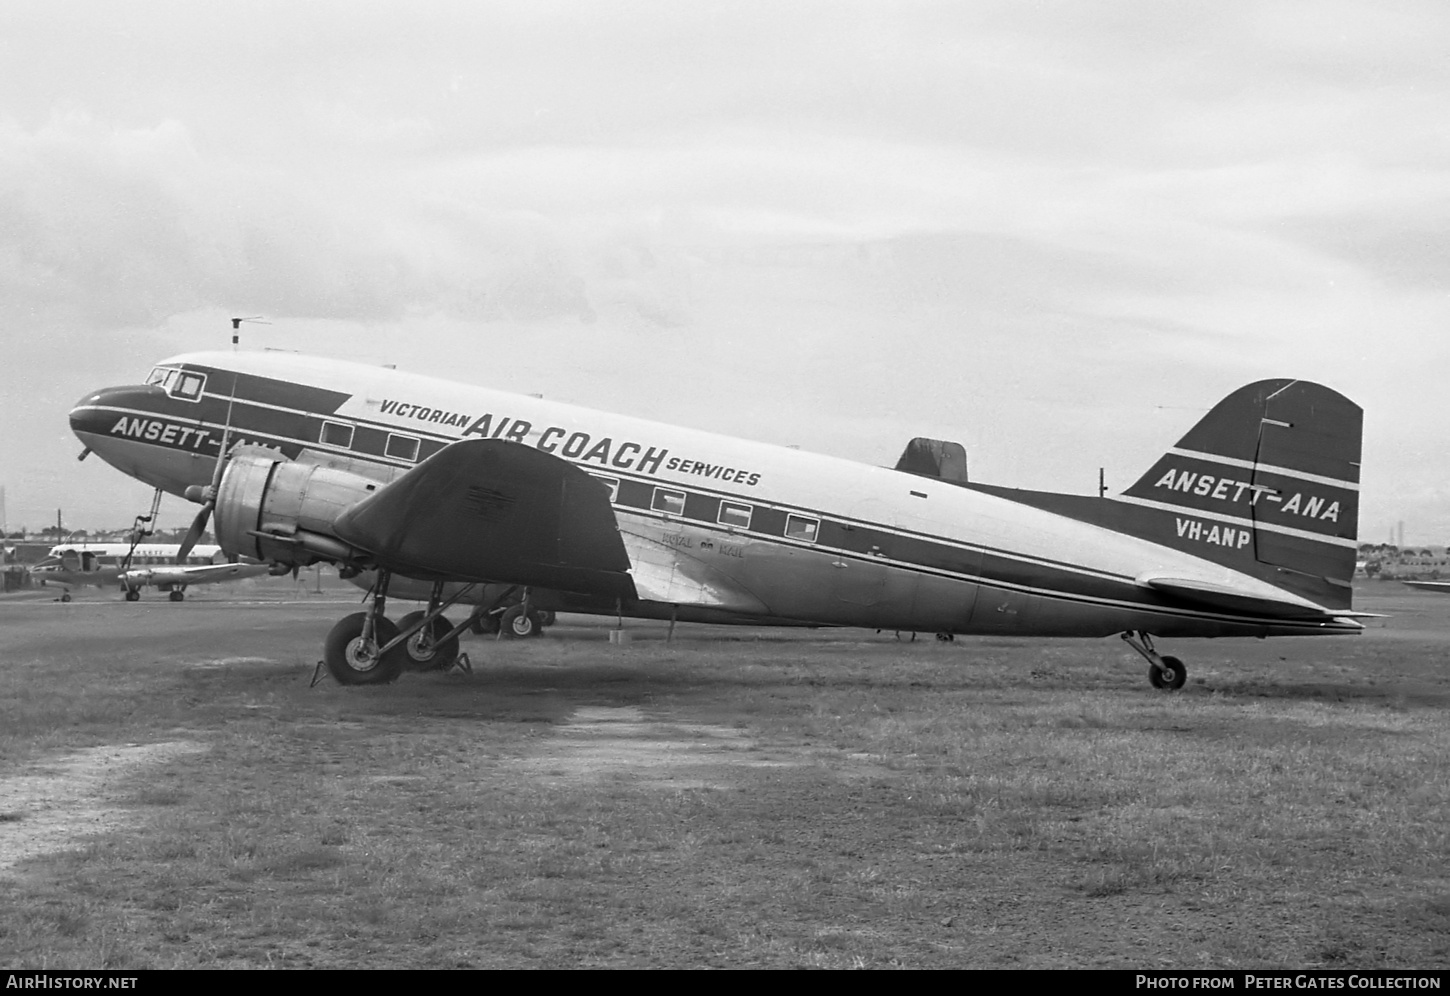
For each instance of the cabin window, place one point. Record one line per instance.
(735, 514)
(337, 434)
(800, 527)
(612, 483)
(668, 501)
(188, 386)
(401, 447)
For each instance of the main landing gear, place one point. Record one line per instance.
(367, 648)
(1166, 673)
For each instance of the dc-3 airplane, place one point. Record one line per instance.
(135, 566)
(467, 496)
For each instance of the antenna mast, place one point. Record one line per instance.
(237, 328)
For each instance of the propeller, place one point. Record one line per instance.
(207, 495)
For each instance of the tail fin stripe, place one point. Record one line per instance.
(1300, 475)
(1349, 544)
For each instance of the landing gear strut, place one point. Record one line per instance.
(1166, 673)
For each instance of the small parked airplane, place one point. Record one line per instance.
(71, 565)
(463, 495)
(1441, 586)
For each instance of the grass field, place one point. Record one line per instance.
(173, 794)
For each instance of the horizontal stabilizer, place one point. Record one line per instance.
(664, 574)
(484, 510)
(1429, 585)
(1212, 595)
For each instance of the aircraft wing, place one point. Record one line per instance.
(1216, 595)
(487, 510)
(198, 574)
(1430, 585)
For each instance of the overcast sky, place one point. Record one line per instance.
(1055, 231)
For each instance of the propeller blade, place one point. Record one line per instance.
(198, 526)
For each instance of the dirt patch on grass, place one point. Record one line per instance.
(603, 743)
(211, 664)
(72, 796)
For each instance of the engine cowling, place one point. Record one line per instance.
(278, 510)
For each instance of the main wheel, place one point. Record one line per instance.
(484, 625)
(176, 595)
(353, 661)
(517, 624)
(546, 618)
(1173, 680)
(65, 596)
(133, 595)
(439, 653)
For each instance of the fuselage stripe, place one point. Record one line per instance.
(1301, 475)
(1239, 520)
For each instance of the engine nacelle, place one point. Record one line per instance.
(274, 509)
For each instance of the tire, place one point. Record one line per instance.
(351, 663)
(440, 656)
(546, 618)
(516, 625)
(65, 596)
(176, 595)
(1169, 682)
(133, 595)
(484, 625)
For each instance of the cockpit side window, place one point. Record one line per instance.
(188, 386)
(158, 375)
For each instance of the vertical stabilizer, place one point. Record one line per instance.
(1267, 483)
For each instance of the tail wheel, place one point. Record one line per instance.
(439, 653)
(351, 660)
(1175, 677)
(516, 624)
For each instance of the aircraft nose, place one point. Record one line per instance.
(96, 412)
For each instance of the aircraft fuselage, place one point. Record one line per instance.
(763, 532)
